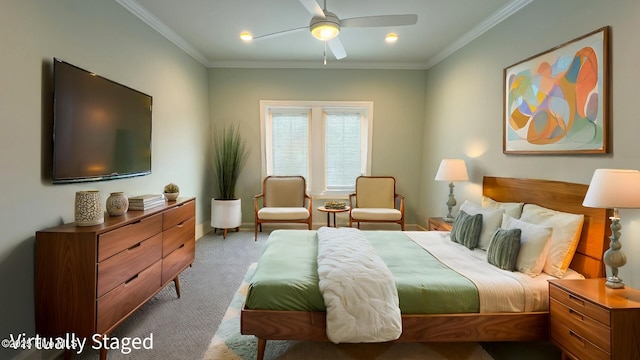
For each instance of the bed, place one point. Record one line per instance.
(306, 325)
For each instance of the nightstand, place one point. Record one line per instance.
(438, 224)
(591, 321)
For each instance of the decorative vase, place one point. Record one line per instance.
(171, 196)
(88, 209)
(117, 204)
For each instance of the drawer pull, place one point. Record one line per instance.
(577, 337)
(576, 300)
(130, 280)
(576, 314)
(134, 246)
(181, 246)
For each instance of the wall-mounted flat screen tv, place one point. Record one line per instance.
(101, 129)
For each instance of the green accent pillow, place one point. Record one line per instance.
(504, 248)
(466, 229)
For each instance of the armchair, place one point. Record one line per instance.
(284, 199)
(376, 200)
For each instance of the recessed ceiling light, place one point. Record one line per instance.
(391, 38)
(246, 36)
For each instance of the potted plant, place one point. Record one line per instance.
(171, 191)
(229, 157)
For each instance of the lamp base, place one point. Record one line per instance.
(448, 219)
(614, 282)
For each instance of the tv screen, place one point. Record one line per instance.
(101, 129)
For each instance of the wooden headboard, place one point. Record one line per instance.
(565, 197)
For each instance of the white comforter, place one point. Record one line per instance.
(359, 290)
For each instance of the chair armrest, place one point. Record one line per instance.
(401, 208)
(306, 196)
(256, 201)
(351, 201)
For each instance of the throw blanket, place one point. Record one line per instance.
(359, 290)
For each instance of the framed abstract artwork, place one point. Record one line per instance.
(556, 102)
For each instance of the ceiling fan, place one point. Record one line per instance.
(326, 26)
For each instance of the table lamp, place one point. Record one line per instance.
(451, 170)
(614, 189)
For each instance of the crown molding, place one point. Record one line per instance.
(509, 9)
(497, 17)
(155, 23)
(335, 64)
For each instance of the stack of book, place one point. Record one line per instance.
(145, 202)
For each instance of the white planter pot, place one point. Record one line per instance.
(226, 214)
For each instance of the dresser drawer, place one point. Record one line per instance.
(582, 325)
(578, 346)
(582, 306)
(174, 237)
(116, 304)
(113, 242)
(178, 260)
(125, 264)
(178, 214)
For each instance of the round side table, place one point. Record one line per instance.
(334, 212)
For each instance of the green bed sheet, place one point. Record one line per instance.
(287, 278)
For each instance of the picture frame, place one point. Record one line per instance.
(557, 101)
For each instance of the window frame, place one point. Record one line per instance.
(316, 181)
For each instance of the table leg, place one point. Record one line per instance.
(335, 224)
(328, 219)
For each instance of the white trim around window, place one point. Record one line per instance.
(316, 113)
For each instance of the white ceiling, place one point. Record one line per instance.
(209, 30)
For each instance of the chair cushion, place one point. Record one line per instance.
(283, 213)
(375, 192)
(284, 191)
(376, 214)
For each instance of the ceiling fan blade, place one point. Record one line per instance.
(335, 45)
(313, 7)
(280, 33)
(381, 20)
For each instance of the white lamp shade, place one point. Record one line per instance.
(614, 188)
(452, 170)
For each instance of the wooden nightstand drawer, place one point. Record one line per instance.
(581, 305)
(438, 224)
(577, 345)
(581, 325)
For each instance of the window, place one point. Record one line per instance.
(329, 143)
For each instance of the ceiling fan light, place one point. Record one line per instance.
(246, 36)
(391, 38)
(324, 30)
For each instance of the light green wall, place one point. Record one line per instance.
(398, 97)
(464, 106)
(103, 37)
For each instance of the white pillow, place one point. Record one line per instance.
(534, 241)
(564, 240)
(512, 209)
(491, 220)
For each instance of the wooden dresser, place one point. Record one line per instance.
(90, 279)
(438, 224)
(591, 321)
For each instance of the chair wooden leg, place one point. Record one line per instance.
(224, 233)
(255, 238)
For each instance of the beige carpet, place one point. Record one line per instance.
(229, 344)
